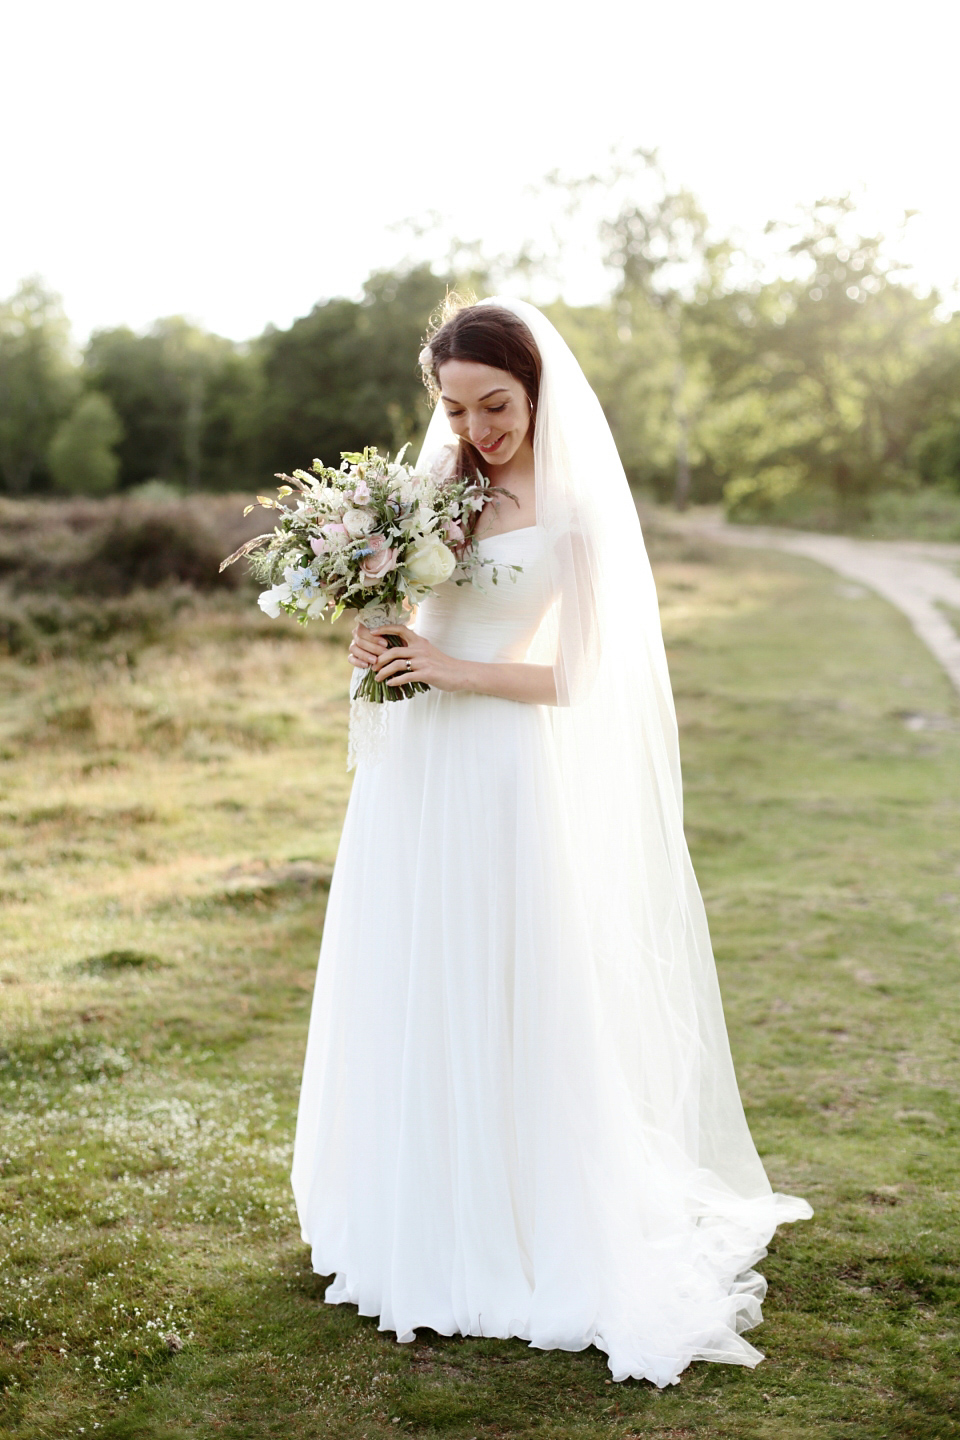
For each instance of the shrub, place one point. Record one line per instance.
(82, 457)
(144, 550)
(115, 545)
(38, 627)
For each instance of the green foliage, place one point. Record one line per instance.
(346, 375)
(797, 398)
(182, 396)
(813, 377)
(629, 355)
(933, 397)
(38, 382)
(928, 512)
(82, 458)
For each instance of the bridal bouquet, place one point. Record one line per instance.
(372, 536)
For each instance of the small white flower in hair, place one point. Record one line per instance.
(426, 358)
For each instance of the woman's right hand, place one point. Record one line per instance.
(365, 647)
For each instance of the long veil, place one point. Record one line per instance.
(650, 963)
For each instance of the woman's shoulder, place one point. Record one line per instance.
(443, 464)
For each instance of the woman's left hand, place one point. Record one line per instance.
(417, 659)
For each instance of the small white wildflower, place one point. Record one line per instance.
(271, 600)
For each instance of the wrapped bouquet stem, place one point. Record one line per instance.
(368, 687)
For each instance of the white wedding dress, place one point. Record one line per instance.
(488, 1144)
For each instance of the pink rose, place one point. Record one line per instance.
(318, 546)
(334, 529)
(380, 562)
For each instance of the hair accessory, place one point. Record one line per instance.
(426, 359)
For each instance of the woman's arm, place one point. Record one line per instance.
(417, 659)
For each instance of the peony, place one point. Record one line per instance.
(358, 523)
(334, 530)
(271, 600)
(429, 563)
(378, 563)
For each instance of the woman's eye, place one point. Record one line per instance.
(495, 409)
(453, 414)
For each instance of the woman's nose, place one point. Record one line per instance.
(479, 428)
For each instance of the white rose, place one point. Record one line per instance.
(359, 522)
(270, 600)
(429, 563)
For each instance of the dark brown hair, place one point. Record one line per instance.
(487, 335)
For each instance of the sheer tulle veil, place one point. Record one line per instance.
(650, 964)
(519, 1115)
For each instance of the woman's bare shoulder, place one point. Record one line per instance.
(444, 462)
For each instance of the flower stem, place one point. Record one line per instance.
(372, 689)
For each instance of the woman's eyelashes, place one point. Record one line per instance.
(491, 410)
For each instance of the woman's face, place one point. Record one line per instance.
(485, 406)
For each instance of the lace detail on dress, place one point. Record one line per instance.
(366, 732)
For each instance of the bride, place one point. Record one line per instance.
(519, 1115)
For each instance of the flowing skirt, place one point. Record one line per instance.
(474, 1151)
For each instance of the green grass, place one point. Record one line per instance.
(930, 512)
(169, 820)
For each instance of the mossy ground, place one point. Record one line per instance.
(168, 829)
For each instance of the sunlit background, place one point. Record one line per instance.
(226, 227)
(237, 162)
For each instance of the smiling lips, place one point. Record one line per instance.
(489, 449)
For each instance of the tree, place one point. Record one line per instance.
(648, 370)
(627, 353)
(811, 376)
(38, 381)
(931, 409)
(183, 397)
(346, 375)
(83, 460)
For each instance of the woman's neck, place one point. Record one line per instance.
(518, 470)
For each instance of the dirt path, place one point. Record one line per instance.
(920, 578)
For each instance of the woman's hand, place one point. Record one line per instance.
(365, 647)
(416, 659)
(531, 684)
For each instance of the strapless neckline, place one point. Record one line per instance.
(502, 534)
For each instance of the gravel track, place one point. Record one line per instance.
(921, 578)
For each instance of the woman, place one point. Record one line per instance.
(519, 1115)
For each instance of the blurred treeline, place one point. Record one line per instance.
(825, 394)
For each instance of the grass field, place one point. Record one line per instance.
(169, 820)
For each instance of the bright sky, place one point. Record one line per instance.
(236, 161)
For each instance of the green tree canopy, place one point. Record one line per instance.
(83, 460)
(38, 381)
(180, 394)
(346, 375)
